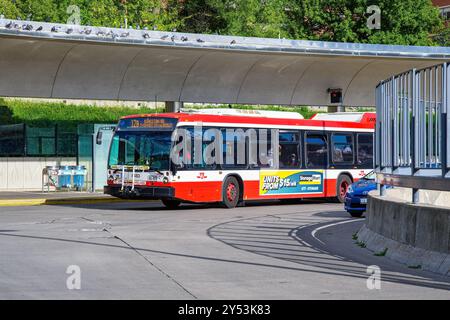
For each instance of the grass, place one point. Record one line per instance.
(381, 253)
(360, 244)
(355, 236)
(47, 113)
(13, 111)
(306, 112)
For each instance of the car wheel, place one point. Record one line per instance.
(230, 192)
(356, 214)
(342, 185)
(171, 204)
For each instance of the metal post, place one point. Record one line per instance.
(332, 109)
(123, 178)
(173, 106)
(414, 123)
(132, 179)
(394, 116)
(377, 128)
(444, 108)
(430, 118)
(382, 190)
(415, 195)
(93, 171)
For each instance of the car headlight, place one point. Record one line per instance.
(350, 189)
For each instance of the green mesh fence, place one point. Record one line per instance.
(32, 141)
(40, 141)
(12, 140)
(67, 138)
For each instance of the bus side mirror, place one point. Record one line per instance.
(98, 138)
(173, 168)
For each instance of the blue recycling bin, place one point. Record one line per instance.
(64, 177)
(79, 175)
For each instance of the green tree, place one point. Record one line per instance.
(332, 20)
(38, 10)
(152, 13)
(408, 22)
(9, 9)
(201, 16)
(103, 13)
(258, 18)
(443, 37)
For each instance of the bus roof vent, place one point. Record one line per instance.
(340, 116)
(248, 113)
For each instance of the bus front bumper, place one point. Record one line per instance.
(140, 192)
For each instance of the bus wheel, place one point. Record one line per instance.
(171, 204)
(342, 185)
(230, 192)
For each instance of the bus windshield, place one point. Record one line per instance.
(148, 148)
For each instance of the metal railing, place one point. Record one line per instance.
(412, 131)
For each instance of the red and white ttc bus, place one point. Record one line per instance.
(318, 157)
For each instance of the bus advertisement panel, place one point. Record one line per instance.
(274, 182)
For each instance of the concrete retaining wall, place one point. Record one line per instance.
(417, 235)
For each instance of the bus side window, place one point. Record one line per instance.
(230, 147)
(289, 149)
(195, 154)
(316, 150)
(365, 149)
(342, 148)
(265, 152)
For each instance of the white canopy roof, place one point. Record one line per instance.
(105, 63)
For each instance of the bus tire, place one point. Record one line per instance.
(171, 204)
(343, 182)
(230, 192)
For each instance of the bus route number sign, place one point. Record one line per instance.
(147, 123)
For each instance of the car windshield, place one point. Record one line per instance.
(149, 148)
(370, 176)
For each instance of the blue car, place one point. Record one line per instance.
(356, 197)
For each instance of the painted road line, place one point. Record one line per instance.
(40, 202)
(22, 202)
(313, 233)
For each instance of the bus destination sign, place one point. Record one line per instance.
(148, 123)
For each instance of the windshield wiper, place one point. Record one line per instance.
(156, 170)
(153, 169)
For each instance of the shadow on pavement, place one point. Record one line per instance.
(273, 237)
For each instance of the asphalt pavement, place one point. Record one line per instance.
(143, 251)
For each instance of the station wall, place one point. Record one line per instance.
(25, 173)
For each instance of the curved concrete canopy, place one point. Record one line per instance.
(150, 66)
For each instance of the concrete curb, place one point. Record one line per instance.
(411, 256)
(63, 201)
